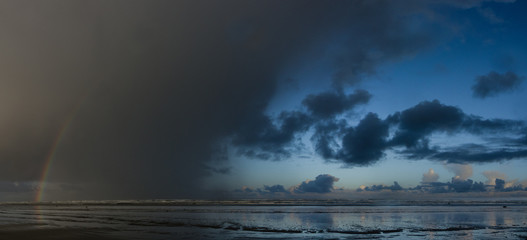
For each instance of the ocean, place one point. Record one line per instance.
(266, 219)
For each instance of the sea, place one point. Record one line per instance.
(277, 219)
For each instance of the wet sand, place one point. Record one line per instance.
(267, 220)
(35, 232)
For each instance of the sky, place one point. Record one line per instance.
(262, 99)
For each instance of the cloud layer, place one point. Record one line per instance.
(407, 132)
(323, 185)
(128, 97)
(494, 83)
(140, 93)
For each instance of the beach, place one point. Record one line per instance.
(265, 220)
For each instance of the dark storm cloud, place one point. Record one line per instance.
(364, 144)
(261, 138)
(7, 187)
(416, 124)
(152, 87)
(423, 119)
(328, 104)
(323, 183)
(412, 128)
(165, 81)
(495, 83)
(325, 137)
(223, 170)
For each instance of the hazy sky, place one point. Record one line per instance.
(192, 99)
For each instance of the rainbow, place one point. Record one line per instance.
(54, 147)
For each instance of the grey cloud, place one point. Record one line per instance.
(461, 185)
(275, 189)
(478, 125)
(377, 188)
(325, 137)
(500, 184)
(364, 144)
(456, 185)
(7, 187)
(245, 190)
(323, 183)
(463, 155)
(223, 170)
(367, 142)
(260, 137)
(495, 83)
(328, 104)
(426, 117)
(138, 93)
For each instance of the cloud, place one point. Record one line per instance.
(364, 144)
(275, 189)
(461, 171)
(430, 176)
(245, 189)
(499, 184)
(415, 125)
(323, 183)
(421, 120)
(494, 83)
(408, 133)
(328, 104)
(492, 176)
(9, 187)
(259, 137)
(137, 94)
(459, 184)
(480, 155)
(503, 186)
(378, 188)
(325, 137)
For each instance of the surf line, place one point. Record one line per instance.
(54, 148)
